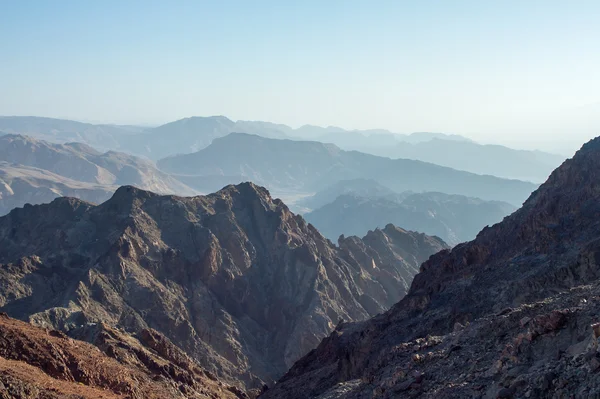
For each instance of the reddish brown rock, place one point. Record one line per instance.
(41, 363)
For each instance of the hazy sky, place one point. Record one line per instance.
(498, 71)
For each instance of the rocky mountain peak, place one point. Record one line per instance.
(593, 144)
(125, 197)
(246, 191)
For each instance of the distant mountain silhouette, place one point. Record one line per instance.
(309, 166)
(464, 155)
(192, 134)
(494, 160)
(178, 137)
(356, 136)
(454, 218)
(100, 136)
(367, 188)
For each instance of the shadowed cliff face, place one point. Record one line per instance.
(508, 314)
(234, 278)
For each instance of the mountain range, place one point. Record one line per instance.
(234, 279)
(184, 135)
(454, 218)
(218, 295)
(513, 313)
(196, 133)
(35, 171)
(102, 136)
(309, 166)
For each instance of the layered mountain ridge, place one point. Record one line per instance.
(454, 218)
(309, 166)
(236, 280)
(196, 133)
(512, 313)
(465, 155)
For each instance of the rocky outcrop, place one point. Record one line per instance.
(393, 256)
(45, 363)
(513, 313)
(234, 279)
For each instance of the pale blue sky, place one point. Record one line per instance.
(497, 71)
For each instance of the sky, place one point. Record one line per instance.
(522, 73)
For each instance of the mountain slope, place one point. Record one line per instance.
(453, 152)
(80, 162)
(454, 218)
(35, 171)
(512, 313)
(20, 185)
(233, 278)
(311, 166)
(42, 363)
(494, 160)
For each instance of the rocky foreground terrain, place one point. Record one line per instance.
(40, 363)
(513, 313)
(234, 279)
